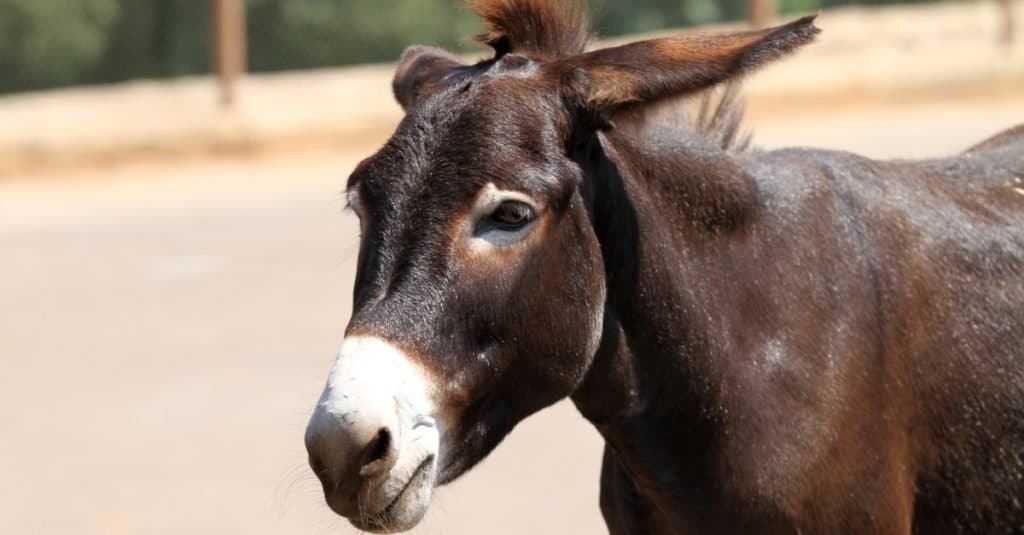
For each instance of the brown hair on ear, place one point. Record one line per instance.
(421, 70)
(609, 80)
(543, 29)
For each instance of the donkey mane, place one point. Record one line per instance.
(717, 117)
(548, 29)
(720, 120)
(554, 29)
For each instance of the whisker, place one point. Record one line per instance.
(296, 477)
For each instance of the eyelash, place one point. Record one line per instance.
(521, 215)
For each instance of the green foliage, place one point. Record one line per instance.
(799, 6)
(155, 39)
(288, 34)
(618, 17)
(49, 43)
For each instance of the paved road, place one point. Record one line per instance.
(164, 332)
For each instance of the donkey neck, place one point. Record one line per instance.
(665, 212)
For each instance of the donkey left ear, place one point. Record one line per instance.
(421, 70)
(606, 81)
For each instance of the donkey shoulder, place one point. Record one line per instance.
(985, 184)
(1010, 138)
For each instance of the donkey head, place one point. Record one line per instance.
(480, 289)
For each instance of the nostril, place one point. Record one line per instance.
(379, 456)
(378, 447)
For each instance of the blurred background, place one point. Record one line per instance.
(50, 43)
(176, 266)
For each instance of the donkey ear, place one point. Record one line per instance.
(608, 80)
(421, 70)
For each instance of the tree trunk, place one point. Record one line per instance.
(229, 54)
(760, 13)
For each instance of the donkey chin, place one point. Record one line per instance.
(396, 502)
(401, 499)
(371, 439)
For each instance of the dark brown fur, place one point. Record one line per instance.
(791, 341)
(548, 30)
(612, 79)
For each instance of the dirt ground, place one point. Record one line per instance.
(166, 329)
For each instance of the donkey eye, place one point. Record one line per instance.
(512, 215)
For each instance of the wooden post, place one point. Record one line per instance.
(229, 47)
(1008, 22)
(760, 13)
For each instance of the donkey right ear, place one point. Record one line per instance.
(608, 80)
(421, 70)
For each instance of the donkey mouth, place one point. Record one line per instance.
(408, 506)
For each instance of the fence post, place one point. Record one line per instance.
(1008, 21)
(229, 47)
(761, 12)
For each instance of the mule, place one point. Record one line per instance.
(786, 341)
